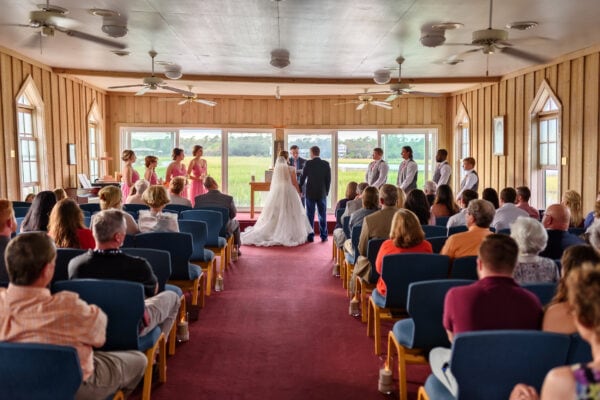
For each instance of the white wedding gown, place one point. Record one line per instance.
(283, 220)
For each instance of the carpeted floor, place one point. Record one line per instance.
(280, 330)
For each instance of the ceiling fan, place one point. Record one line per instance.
(191, 99)
(50, 18)
(492, 41)
(399, 88)
(366, 98)
(154, 82)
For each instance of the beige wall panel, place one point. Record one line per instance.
(513, 141)
(576, 126)
(5, 126)
(590, 132)
(564, 95)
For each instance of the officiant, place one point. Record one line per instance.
(298, 162)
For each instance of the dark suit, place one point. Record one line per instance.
(214, 198)
(317, 175)
(299, 164)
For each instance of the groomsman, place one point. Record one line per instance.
(378, 169)
(317, 175)
(298, 162)
(471, 180)
(408, 171)
(443, 170)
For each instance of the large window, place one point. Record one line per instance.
(423, 143)
(462, 144)
(95, 149)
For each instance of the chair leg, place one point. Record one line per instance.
(349, 272)
(377, 328)
(195, 291)
(119, 395)
(333, 250)
(370, 318)
(173, 338)
(422, 394)
(202, 290)
(161, 348)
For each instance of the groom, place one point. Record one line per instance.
(317, 175)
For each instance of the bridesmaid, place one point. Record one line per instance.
(177, 167)
(150, 174)
(197, 171)
(128, 175)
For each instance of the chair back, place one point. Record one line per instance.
(544, 291)
(91, 207)
(178, 244)
(224, 217)
(121, 301)
(129, 241)
(338, 216)
(159, 260)
(199, 232)
(437, 243)
(434, 230)
(346, 226)
(372, 250)
(579, 350)
(20, 211)
(61, 267)
(135, 208)
(488, 364)
(21, 204)
(400, 270)
(457, 229)
(425, 305)
(576, 231)
(87, 221)
(178, 208)
(464, 268)
(441, 221)
(213, 219)
(38, 371)
(505, 231)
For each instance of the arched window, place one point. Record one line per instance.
(546, 116)
(95, 148)
(462, 142)
(31, 139)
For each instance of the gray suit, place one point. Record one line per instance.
(214, 198)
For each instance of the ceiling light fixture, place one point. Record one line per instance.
(115, 31)
(446, 26)
(382, 76)
(173, 72)
(433, 39)
(280, 57)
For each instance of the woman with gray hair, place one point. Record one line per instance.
(531, 237)
(138, 190)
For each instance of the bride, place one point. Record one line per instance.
(283, 219)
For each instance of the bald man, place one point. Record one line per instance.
(556, 221)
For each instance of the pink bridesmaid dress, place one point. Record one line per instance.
(197, 188)
(154, 178)
(126, 190)
(181, 171)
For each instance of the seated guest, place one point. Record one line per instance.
(460, 218)
(370, 200)
(176, 187)
(556, 221)
(38, 216)
(508, 211)
(111, 199)
(108, 262)
(139, 187)
(572, 200)
(430, 190)
(154, 220)
(351, 193)
(406, 236)
(417, 203)
(60, 194)
(579, 381)
(480, 214)
(29, 198)
(531, 237)
(31, 314)
(495, 301)
(593, 215)
(355, 204)
(444, 204)
(491, 195)
(66, 226)
(523, 196)
(214, 198)
(8, 225)
(558, 317)
(594, 235)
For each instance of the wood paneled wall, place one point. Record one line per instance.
(575, 81)
(67, 102)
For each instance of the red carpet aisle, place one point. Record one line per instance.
(280, 330)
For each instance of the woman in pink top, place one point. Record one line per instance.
(128, 175)
(150, 174)
(177, 167)
(197, 171)
(406, 236)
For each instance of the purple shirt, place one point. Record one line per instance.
(491, 303)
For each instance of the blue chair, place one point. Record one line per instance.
(544, 291)
(224, 233)
(505, 231)
(437, 243)
(20, 211)
(350, 259)
(91, 207)
(488, 364)
(457, 229)
(434, 230)
(178, 208)
(412, 338)
(398, 272)
(21, 204)
(87, 220)
(214, 223)
(129, 241)
(338, 224)
(123, 303)
(61, 266)
(200, 256)
(346, 226)
(135, 208)
(185, 275)
(464, 268)
(441, 221)
(579, 350)
(364, 288)
(35, 371)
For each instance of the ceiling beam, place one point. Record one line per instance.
(269, 79)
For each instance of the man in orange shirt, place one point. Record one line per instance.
(480, 214)
(31, 314)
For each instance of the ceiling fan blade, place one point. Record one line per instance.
(206, 102)
(125, 86)
(182, 102)
(392, 97)
(380, 92)
(511, 51)
(61, 22)
(143, 90)
(176, 90)
(426, 94)
(382, 104)
(33, 41)
(361, 106)
(92, 38)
